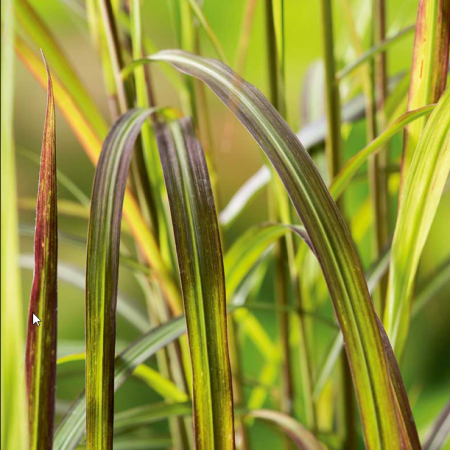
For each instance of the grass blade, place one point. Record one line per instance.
(102, 270)
(303, 438)
(327, 231)
(202, 276)
(73, 426)
(421, 194)
(74, 276)
(145, 415)
(429, 69)
(14, 434)
(41, 338)
(355, 163)
(440, 432)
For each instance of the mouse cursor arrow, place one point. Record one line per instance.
(36, 320)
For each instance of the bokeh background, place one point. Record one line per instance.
(426, 366)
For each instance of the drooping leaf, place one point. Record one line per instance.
(327, 231)
(303, 438)
(429, 69)
(420, 198)
(202, 277)
(41, 337)
(14, 433)
(102, 271)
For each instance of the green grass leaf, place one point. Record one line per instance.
(420, 198)
(302, 437)
(102, 271)
(327, 231)
(14, 435)
(72, 427)
(41, 338)
(202, 276)
(145, 415)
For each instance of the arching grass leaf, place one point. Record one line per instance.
(328, 234)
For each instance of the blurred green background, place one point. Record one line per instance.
(426, 367)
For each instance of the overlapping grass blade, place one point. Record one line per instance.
(160, 384)
(302, 437)
(69, 100)
(326, 230)
(13, 387)
(429, 69)
(202, 277)
(355, 163)
(74, 276)
(144, 415)
(41, 339)
(102, 271)
(73, 426)
(420, 198)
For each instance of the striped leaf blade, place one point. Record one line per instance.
(41, 337)
(327, 231)
(422, 192)
(200, 263)
(102, 270)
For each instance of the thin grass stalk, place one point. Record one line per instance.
(333, 151)
(14, 432)
(380, 161)
(277, 197)
(171, 365)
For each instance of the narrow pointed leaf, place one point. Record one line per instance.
(420, 198)
(41, 339)
(14, 435)
(328, 234)
(202, 277)
(355, 163)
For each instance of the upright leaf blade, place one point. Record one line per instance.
(13, 391)
(421, 195)
(41, 339)
(429, 68)
(202, 276)
(328, 234)
(102, 270)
